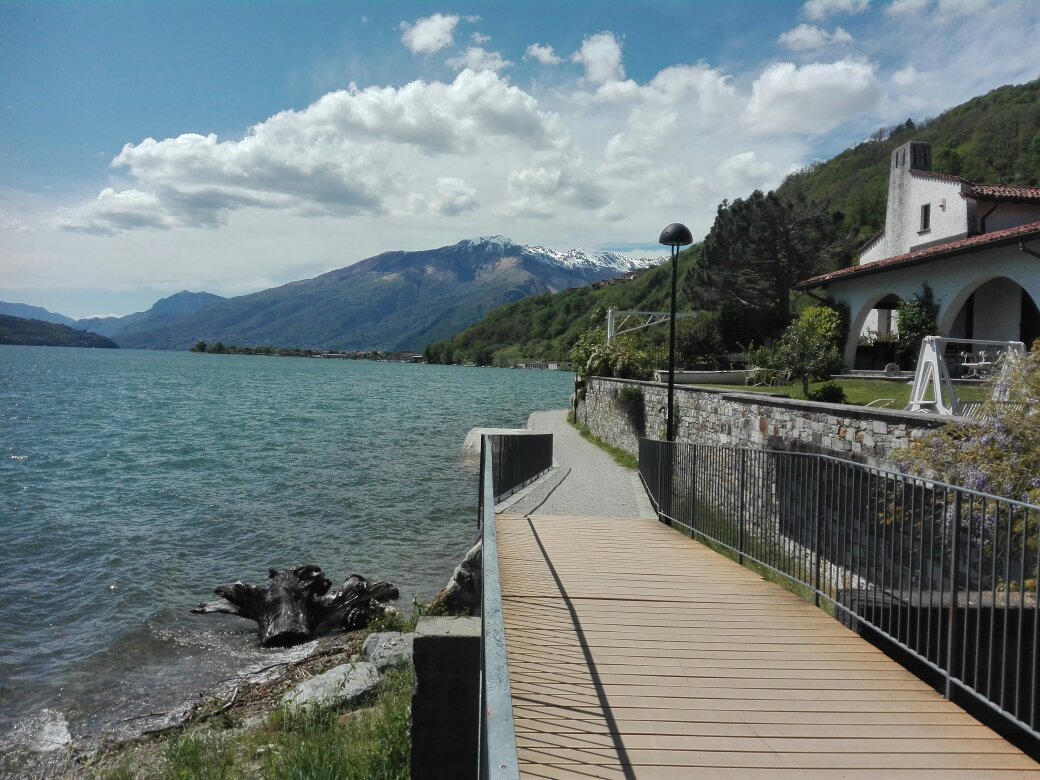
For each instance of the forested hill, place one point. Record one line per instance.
(37, 333)
(992, 139)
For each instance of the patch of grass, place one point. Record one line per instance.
(372, 744)
(859, 392)
(622, 458)
(200, 757)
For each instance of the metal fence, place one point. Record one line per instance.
(506, 461)
(517, 460)
(949, 575)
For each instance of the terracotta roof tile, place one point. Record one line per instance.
(974, 243)
(1005, 192)
(941, 176)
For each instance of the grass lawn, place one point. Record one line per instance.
(860, 392)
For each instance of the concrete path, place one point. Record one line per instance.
(586, 481)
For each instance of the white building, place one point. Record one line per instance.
(976, 245)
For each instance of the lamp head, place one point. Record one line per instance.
(676, 234)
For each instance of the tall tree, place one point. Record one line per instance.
(757, 248)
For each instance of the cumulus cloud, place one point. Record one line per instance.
(906, 77)
(479, 39)
(452, 197)
(476, 58)
(821, 9)
(806, 37)
(746, 171)
(344, 155)
(543, 192)
(429, 35)
(812, 99)
(600, 55)
(542, 54)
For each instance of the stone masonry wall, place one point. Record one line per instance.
(865, 435)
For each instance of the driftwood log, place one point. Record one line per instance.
(296, 605)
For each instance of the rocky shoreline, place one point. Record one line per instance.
(331, 672)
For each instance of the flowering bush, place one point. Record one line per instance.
(998, 454)
(592, 356)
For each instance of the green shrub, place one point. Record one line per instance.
(829, 392)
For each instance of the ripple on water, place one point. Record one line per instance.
(132, 483)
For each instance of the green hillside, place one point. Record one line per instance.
(990, 139)
(37, 333)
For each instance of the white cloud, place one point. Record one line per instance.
(452, 197)
(600, 55)
(806, 37)
(429, 35)
(545, 192)
(542, 54)
(745, 171)
(812, 99)
(477, 59)
(815, 10)
(906, 77)
(345, 155)
(906, 7)
(479, 39)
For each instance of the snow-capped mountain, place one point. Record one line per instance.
(573, 258)
(395, 300)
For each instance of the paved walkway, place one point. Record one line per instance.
(635, 652)
(585, 481)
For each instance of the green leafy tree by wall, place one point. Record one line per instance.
(918, 317)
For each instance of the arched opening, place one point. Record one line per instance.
(995, 308)
(877, 332)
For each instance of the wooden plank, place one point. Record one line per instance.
(706, 670)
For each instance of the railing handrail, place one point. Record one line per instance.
(880, 470)
(880, 547)
(498, 756)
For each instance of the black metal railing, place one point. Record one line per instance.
(498, 756)
(947, 574)
(517, 460)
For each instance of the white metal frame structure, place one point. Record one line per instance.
(933, 374)
(618, 320)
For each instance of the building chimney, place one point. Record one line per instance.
(915, 156)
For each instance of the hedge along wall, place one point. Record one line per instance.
(618, 411)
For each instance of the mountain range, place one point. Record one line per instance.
(393, 301)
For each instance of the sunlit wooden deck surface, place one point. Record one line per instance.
(639, 653)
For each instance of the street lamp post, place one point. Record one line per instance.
(675, 236)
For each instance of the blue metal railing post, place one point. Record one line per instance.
(951, 636)
(497, 750)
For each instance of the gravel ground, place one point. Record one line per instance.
(587, 481)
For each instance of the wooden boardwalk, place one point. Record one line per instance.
(639, 653)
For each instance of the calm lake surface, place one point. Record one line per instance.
(132, 483)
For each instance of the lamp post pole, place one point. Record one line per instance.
(674, 236)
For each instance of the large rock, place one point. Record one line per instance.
(388, 648)
(462, 593)
(336, 687)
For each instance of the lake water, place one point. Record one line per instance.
(132, 483)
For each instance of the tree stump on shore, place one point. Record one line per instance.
(296, 605)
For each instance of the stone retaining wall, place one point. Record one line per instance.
(865, 435)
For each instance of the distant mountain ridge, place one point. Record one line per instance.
(27, 312)
(160, 314)
(396, 300)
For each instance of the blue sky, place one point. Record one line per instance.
(149, 147)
